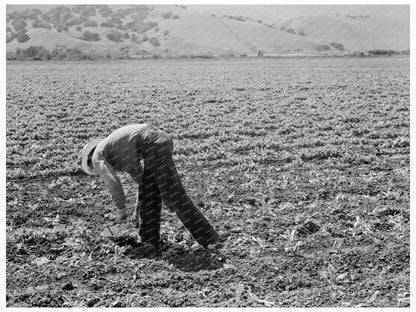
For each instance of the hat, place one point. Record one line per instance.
(85, 152)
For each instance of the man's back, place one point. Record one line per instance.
(122, 147)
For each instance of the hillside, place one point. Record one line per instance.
(134, 30)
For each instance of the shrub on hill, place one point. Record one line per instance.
(175, 17)
(270, 26)
(33, 13)
(357, 16)
(338, 46)
(79, 28)
(322, 47)
(24, 15)
(40, 24)
(77, 9)
(117, 21)
(62, 52)
(105, 11)
(141, 28)
(33, 53)
(115, 36)
(74, 21)
(139, 16)
(61, 28)
(302, 33)
(291, 31)
(19, 24)
(87, 11)
(40, 53)
(108, 24)
(22, 37)
(113, 23)
(166, 32)
(90, 24)
(59, 10)
(45, 17)
(150, 25)
(154, 42)
(237, 18)
(36, 53)
(167, 15)
(89, 36)
(382, 52)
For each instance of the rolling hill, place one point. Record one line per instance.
(134, 30)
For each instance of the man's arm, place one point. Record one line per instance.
(108, 175)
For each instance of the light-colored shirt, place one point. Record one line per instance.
(120, 151)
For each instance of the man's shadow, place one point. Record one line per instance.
(182, 258)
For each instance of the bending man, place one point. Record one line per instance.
(157, 180)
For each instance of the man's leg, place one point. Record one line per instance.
(176, 199)
(148, 209)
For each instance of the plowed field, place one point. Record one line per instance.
(302, 164)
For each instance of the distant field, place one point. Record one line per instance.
(303, 163)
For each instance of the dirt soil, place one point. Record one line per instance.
(301, 164)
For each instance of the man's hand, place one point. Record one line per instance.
(122, 216)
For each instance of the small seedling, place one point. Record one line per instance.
(292, 244)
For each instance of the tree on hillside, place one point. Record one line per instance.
(108, 24)
(337, 46)
(139, 27)
(77, 8)
(167, 15)
(105, 11)
(40, 24)
(154, 42)
(66, 17)
(87, 11)
(33, 53)
(59, 10)
(89, 36)
(22, 37)
(90, 24)
(74, 53)
(45, 17)
(61, 28)
(19, 25)
(36, 53)
(115, 36)
(74, 21)
(31, 13)
(322, 47)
